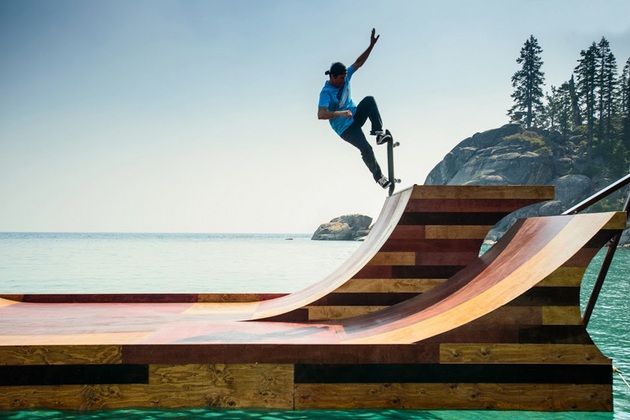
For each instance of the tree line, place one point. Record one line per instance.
(594, 103)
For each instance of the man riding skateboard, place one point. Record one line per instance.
(346, 118)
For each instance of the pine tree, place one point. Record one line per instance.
(528, 83)
(558, 110)
(624, 88)
(624, 83)
(585, 73)
(576, 116)
(605, 81)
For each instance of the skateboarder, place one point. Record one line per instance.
(346, 118)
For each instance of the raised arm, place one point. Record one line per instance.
(361, 59)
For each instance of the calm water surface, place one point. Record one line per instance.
(197, 263)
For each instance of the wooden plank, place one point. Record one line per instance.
(254, 392)
(60, 355)
(479, 396)
(534, 192)
(61, 397)
(469, 333)
(374, 272)
(219, 375)
(389, 285)
(446, 258)
(562, 315)
(280, 354)
(424, 258)
(457, 232)
(512, 315)
(468, 205)
(432, 245)
(548, 296)
(363, 299)
(565, 334)
(483, 396)
(407, 232)
(566, 354)
(449, 219)
(322, 313)
(618, 222)
(393, 258)
(564, 277)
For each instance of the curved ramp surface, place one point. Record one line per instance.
(388, 219)
(528, 253)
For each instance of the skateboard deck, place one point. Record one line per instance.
(390, 163)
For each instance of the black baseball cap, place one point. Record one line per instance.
(336, 69)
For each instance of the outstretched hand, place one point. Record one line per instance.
(374, 37)
(361, 59)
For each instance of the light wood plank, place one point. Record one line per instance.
(564, 277)
(538, 397)
(323, 313)
(618, 222)
(457, 231)
(60, 355)
(562, 315)
(389, 285)
(522, 354)
(394, 258)
(484, 191)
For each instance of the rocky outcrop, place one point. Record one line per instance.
(510, 155)
(350, 227)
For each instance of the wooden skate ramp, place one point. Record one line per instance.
(414, 320)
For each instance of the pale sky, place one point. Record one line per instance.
(200, 116)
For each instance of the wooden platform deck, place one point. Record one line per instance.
(415, 319)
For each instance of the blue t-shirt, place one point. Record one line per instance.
(338, 99)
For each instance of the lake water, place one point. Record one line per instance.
(211, 263)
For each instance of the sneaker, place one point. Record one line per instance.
(383, 137)
(384, 182)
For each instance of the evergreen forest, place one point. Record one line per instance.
(591, 107)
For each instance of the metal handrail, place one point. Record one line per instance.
(612, 245)
(622, 182)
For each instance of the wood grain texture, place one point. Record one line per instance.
(60, 355)
(389, 285)
(562, 315)
(465, 396)
(534, 192)
(564, 277)
(394, 258)
(457, 232)
(325, 313)
(566, 354)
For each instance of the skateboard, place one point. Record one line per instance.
(390, 162)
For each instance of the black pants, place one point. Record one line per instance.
(354, 134)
